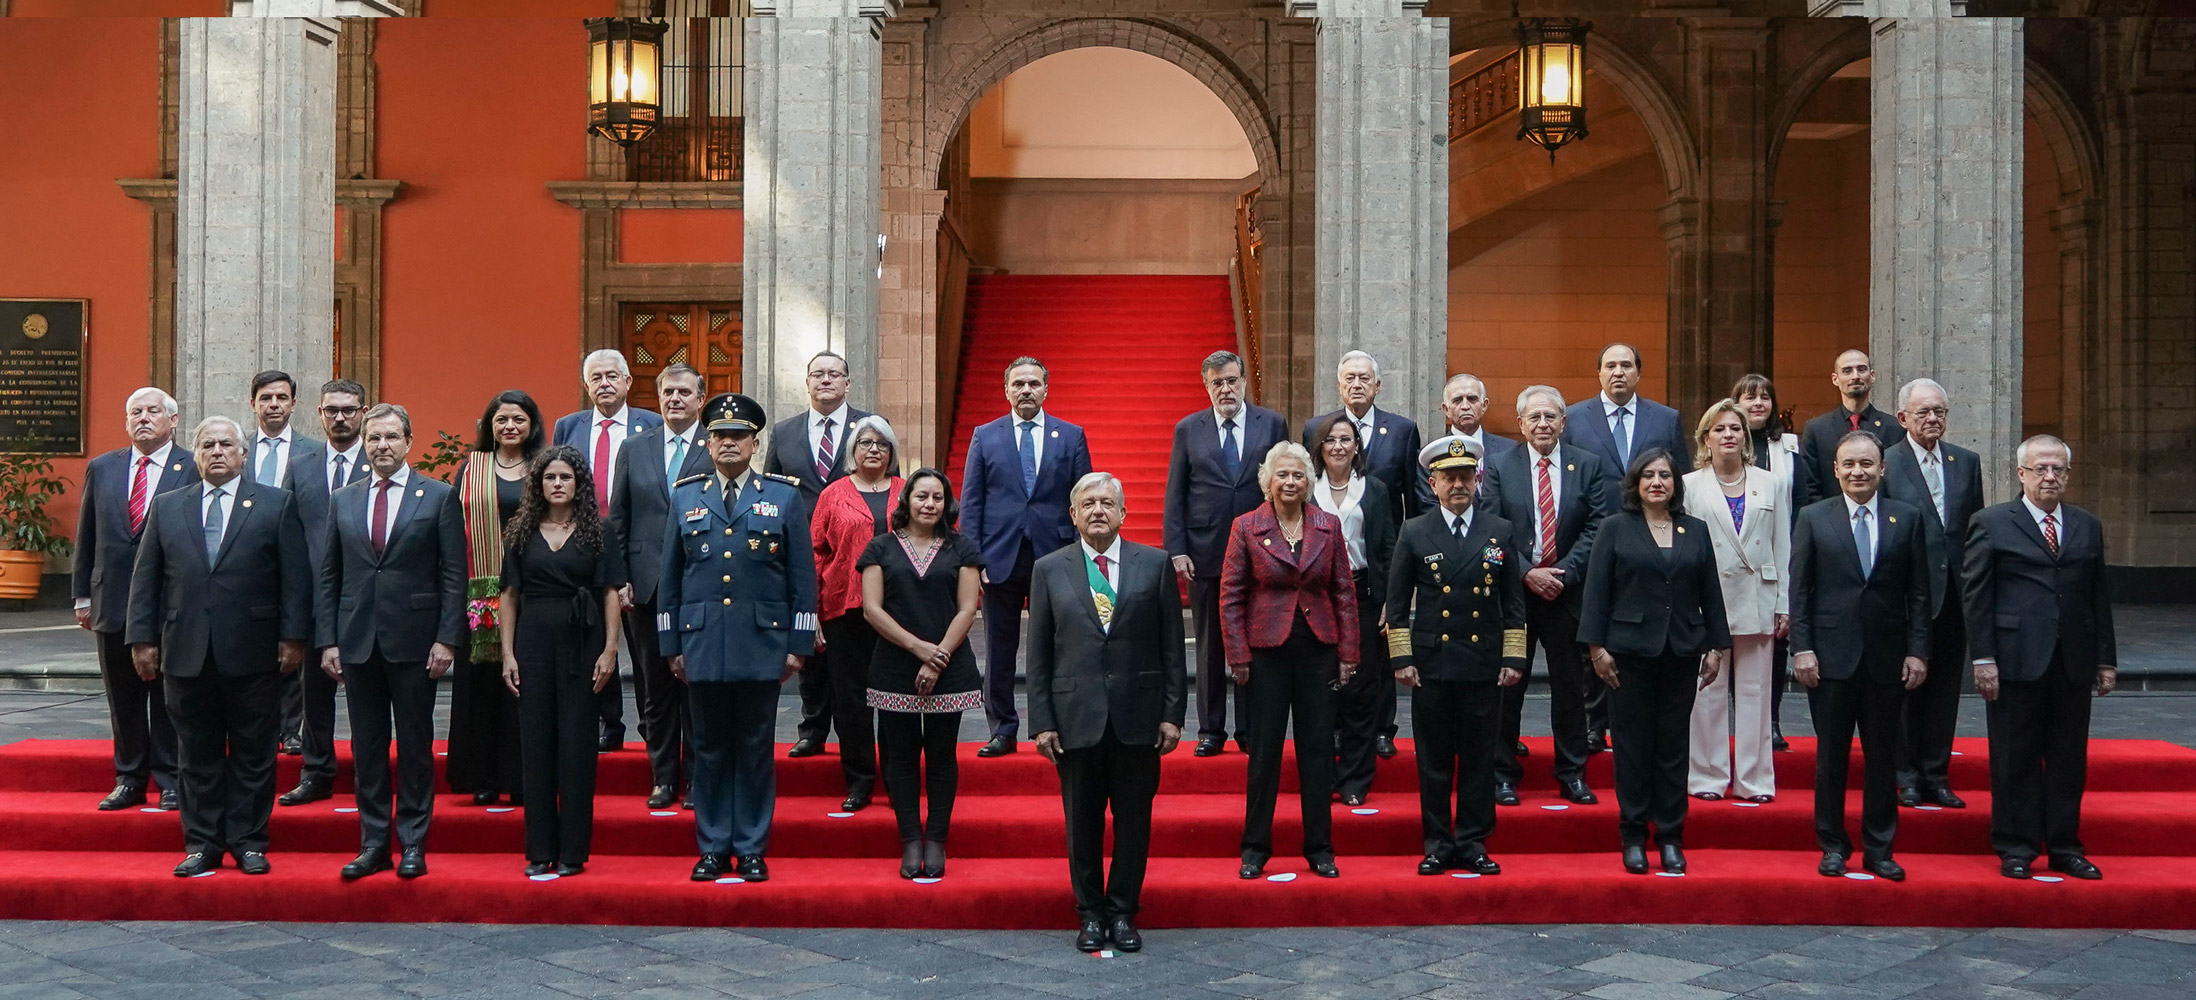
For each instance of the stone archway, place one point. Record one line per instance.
(2070, 228)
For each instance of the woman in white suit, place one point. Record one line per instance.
(1745, 507)
(1776, 450)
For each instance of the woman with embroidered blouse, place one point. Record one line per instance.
(920, 584)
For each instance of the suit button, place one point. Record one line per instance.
(728, 555)
(1444, 637)
(1444, 612)
(1475, 638)
(1475, 614)
(727, 600)
(728, 579)
(727, 531)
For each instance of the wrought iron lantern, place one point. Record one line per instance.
(624, 68)
(1551, 81)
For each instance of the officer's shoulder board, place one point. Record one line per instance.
(695, 478)
(781, 477)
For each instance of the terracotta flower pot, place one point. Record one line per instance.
(20, 573)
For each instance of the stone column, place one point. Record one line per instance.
(811, 186)
(1718, 235)
(1945, 247)
(1381, 175)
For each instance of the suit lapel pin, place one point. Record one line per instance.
(1681, 529)
(247, 503)
(1383, 430)
(1568, 467)
(177, 467)
(1893, 519)
(419, 493)
(1055, 433)
(1267, 541)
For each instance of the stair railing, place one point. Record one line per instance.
(1248, 282)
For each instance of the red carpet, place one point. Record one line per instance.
(1749, 864)
(1123, 350)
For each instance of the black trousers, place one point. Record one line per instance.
(919, 760)
(851, 641)
(317, 721)
(137, 712)
(1293, 678)
(818, 687)
(1357, 703)
(293, 704)
(386, 696)
(557, 729)
(1390, 694)
(1214, 686)
(2039, 763)
(227, 729)
(1931, 712)
(484, 730)
(1650, 722)
(610, 710)
(1003, 600)
(1839, 707)
(1456, 726)
(1125, 778)
(735, 778)
(1552, 627)
(665, 728)
(1780, 680)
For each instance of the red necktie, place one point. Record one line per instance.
(379, 534)
(826, 455)
(1854, 419)
(137, 494)
(1547, 516)
(1102, 570)
(602, 465)
(2051, 533)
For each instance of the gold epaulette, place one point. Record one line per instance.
(695, 478)
(1513, 643)
(788, 480)
(1399, 641)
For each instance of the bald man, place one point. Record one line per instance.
(1813, 478)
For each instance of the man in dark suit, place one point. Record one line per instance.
(1458, 648)
(1813, 476)
(117, 495)
(342, 462)
(1555, 496)
(1391, 439)
(1014, 504)
(390, 618)
(1944, 481)
(640, 510)
(1616, 425)
(601, 433)
(275, 454)
(1463, 410)
(811, 450)
(1860, 641)
(2042, 645)
(1107, 694)
(1212, 478)
(221, 600)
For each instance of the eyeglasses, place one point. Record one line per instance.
(871, 445)
(340, 411)
(1931, 411)
(2047, 471)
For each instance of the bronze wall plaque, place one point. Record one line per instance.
(42, 354)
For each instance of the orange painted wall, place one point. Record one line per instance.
(679, 235)
(1821, 269)
(1538, 288)
(481, 274)
(69, 231)
(120, 8)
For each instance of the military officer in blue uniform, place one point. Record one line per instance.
(737, 616)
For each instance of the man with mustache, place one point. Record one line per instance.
(600, 433)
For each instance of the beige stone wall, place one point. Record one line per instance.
(1078, 226)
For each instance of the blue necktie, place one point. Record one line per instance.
(1029, 457)
(213, 523)
(1860, 541)
(677, 463)
(1231, 456)
(1623, 435)
(270, 474)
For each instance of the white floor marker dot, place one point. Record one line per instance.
(731, 880)
(1362, 811)
(202, 875)
(1930, 808)
(662, 812)
(1283, 877)
(1671, 874)
(840, 815)
(1747, 805)
(149, 809)
(1555, 808)
(927, 881)
(1463, 874)
(346, 809)
(1860, 876)
(543, 877)
(2049, 878)
(501, 809)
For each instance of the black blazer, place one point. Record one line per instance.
(789, 455)
(640, 501)
(1082, 677)
(224, 618)
(1202, 501)
(1640, 601)
(1814, 476)
(309, 490)
(1946, 540)
(1456, 612)
(1850, 624)
(408, 598)
(106, 548)
(2023, 604)
(1391, 457)
(1509, 489)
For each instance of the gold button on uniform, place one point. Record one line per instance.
(729, 580)
(727, 600)
(728, 555)
(1474, 638)
(1444, 612)
(1444, 588)
(1444, 637)
(1475, 614)
(727, 531)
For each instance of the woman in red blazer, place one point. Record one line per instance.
(852, 510)
(1288, 622)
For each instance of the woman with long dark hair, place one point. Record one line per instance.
(1776, 450)
(1360, 502)
(484, 717)
(561, 574)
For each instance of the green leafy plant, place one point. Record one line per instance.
(27, 484)
(448, 452)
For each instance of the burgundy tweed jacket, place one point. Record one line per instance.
(1263, 583)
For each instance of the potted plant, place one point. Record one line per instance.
(27, 532)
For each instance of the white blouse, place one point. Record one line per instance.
(1349, 510)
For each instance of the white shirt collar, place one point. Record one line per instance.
(1371, 412)
(670, 435)
(623, 418)
(205, 489)
(1220, 420)
(1609, 406)
(837, 417)
(2037, 514)
(1555, 454)
(402, 475)
(352, 453)
(1014, 420)
(1112, 552)
(1450, 521)
(158, 455)
(1931, 452)
(287, 439)
(1853, 510)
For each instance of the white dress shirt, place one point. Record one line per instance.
(1112, 569)
(1220, 424)
(159, 463)
(1928, 458)
(671, 439)
(1350, 510)
(396, 502)
(1875, 527)
(1458, 524)
(1532, 489)
(1036, 439)
(816, 432)
(280, 445)
(621, 424)
(1367, 425)
(227, 501)
(350, 459)
(2037, 514)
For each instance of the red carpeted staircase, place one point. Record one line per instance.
(1123, 350)
(1006, 870)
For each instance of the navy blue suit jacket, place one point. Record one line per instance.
(224, 616)
(640, 502)
(106, 548)
(1586, 425)
(1391, 457)
(1947, 536)
(1202, 502)
(1508, 488)
(997, 513)
(574, 429)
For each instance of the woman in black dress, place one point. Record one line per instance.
(484, 718)
(920, 584)
(561, 574)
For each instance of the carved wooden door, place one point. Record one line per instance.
(703, 335)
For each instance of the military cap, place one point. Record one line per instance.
(1455, 452)
(731, 411)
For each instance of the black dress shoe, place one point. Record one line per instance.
(367, 863)
(1908, 797)
(1831, 866)
(1635, 859)
(1325, 869)
(567, 871)
(293, 746)
(309, 789)
(855, 802)
(1505, 794)
(540, 868)
(997, 746)
(661, 797)
(2076, 866)
(805, 747)
(751, 868)
(198, 863)
(1208, 746)
(1575, 790)
(169, 801)
(1480, 863)
(253, 863)
(1597, 741)
(608, 739)
(687, 803)
(1944, 797)
(911, 859)
(1092, 937)
(1432, 864)
(1125, 936)
(934, 859)
(1778, 743)
(1251, 870)
(1384, 746)
(1519, 748)
(1885, 868)
(413, 863)
(711, 867)
(484, 798)
(126, 794)
(1352, 799)
(1709, 796)
(2014, 868)
(1673, 859)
